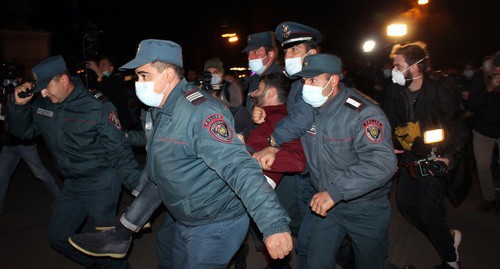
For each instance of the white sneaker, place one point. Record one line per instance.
(457, 237)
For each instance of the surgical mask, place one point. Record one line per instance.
(387, 72)
(399, 78)
(313, 95)
(106, 73)
(294, 65)
(145, 91)
(216, 79)
(468, 73)
(257, 66)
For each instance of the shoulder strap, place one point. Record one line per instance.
(195, 97)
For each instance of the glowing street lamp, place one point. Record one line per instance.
(231, 37)
(397, 30)
(368, 46)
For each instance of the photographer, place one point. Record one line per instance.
(416, 103)
(228, 92)
(14, 149)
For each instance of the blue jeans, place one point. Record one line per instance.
(143, 206)
(94, 199)
(209, 246)
(10, 156)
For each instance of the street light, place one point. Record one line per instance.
(397, 30)
(368, 46)
(231, 37)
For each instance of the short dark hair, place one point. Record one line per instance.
(413, 52)
(279, 81)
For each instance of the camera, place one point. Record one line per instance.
(430, 167)
(203, 82)
(28, 91)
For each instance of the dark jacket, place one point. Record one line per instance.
(82, 133)
(486, 108)
(436, 106)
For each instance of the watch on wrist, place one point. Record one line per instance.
(272, 142)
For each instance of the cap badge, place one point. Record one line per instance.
(285, 31)
(306, 63)
(35, 76)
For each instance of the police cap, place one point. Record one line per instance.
(45, 70)
(151, 50)
(317, 64)
(291, 33)
(257, 40)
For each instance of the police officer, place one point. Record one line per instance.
(262, 55)
(297, 40)
(351, 160)
(88, 147)
(206, 178)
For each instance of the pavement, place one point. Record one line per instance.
(23, 225)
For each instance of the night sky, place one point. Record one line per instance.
(455, 30)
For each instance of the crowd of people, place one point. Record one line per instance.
(296, 151)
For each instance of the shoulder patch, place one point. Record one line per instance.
(113, 118)
(373, 130)
(218, 128)
(354, 103)
(195, 97)
(98, 95)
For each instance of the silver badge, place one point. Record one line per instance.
(285, 31)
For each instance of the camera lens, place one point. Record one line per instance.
(438, 168)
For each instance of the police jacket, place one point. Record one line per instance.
(349, 149)
(436, 106)
(82, 133)
(202, 169)
(299, 119)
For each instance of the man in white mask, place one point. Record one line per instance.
(188, 134)
(262, 55)
(416, 103)
(351, 162)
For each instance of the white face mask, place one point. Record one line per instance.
(294, 65)
(145, 91)
(106, 73)
(399, 78)
(257, 66)
(216, 79)
(313, 95)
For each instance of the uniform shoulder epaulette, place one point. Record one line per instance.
(195, 97)
(98, 95)
(354, 103)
